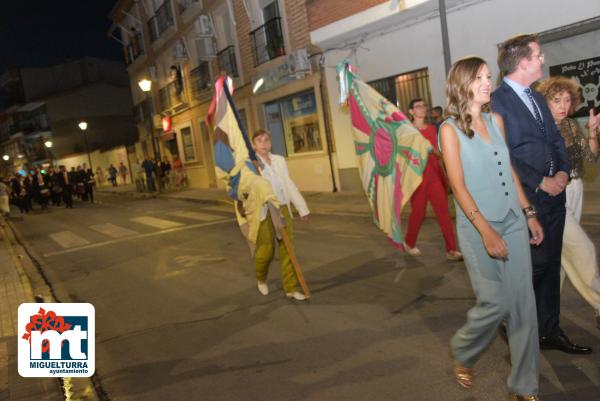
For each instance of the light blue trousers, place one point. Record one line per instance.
(504, 291)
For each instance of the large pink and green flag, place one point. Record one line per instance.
(391, 152)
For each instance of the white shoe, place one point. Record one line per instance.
(263, 288)
(412, 251)
(298, 296)
(454, 255)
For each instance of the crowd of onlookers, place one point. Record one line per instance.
(154, 175)
(54, 186)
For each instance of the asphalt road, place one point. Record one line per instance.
(178, 316)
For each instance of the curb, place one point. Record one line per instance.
(23, 278)
(83, 389)
(145, 195)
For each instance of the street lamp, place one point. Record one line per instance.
(48, 144)
(145, 85)
(6, 158)
(83, 127)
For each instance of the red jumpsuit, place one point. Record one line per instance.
(433, 189)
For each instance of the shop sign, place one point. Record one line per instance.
(166, 123)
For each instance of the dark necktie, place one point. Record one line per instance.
(538, 118)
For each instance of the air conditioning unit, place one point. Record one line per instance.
(206, 48)
(179, 51)
(203, 26)
(298, 62)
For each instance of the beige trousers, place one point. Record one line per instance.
(579, 261)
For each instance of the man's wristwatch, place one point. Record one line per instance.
(529, 212)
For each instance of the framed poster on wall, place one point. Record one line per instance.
(587, 74)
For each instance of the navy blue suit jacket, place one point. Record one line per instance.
(529, 149)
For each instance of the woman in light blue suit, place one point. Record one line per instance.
(493, 217)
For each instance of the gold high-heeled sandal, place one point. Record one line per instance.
(463, 375)
(516, 397)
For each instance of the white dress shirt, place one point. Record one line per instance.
(284, 188)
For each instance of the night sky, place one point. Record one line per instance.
(35, 33)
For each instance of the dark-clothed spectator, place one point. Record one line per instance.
(41, 188)
(165, 168)
(112, 175)
(89, 182)
(148, 167)
(64, 181)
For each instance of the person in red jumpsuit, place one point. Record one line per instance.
(434, 189)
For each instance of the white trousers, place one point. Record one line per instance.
(579, 260)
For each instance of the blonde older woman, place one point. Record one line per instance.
(578, 260)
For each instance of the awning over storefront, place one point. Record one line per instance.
(167, 136)
(30, 106)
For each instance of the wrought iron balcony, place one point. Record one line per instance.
(142, 111)
(169, 96)
(201, 82)
(267, 41)
(134, 49)
(161, 21)
(227, 61)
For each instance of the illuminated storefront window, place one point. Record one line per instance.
(294, 124)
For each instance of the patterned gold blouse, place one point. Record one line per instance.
(578, 146)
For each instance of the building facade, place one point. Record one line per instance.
(397, 47)
(182, 46)
(42, 108)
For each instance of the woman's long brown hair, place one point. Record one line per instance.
(458, 94)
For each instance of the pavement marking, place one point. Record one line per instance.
(68, 239)
(349, 235)
(156, 222)
(112, 230)
(114, 241)
(196, 215)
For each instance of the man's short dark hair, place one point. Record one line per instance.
(438, 109)
(514, 50)
(411, 104)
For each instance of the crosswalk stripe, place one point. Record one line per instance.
(145, 235)
(156, 222)
(113, 231)
(68, 239)
(196, 215)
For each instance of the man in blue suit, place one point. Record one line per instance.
(538, 155)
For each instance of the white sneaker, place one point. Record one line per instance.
(298, 296)
(412, 251)
(263, 288)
